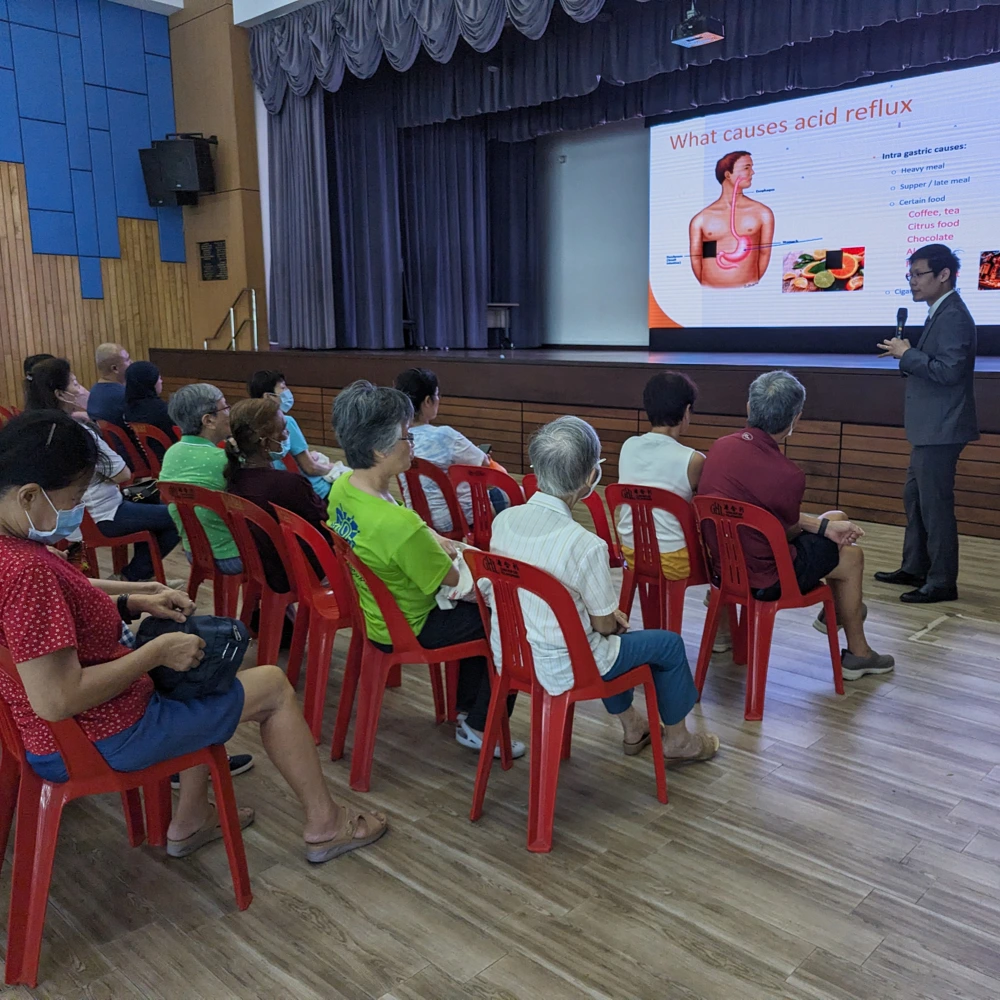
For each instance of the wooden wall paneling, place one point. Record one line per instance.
(815, 448)
(613, 426)
(704, 430)
(329, 437)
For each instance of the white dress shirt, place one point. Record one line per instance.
(934, 306)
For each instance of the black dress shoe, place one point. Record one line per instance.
(900, 576)
(929, 595)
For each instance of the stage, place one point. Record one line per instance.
(850, 441)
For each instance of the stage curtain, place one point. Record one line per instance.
(444, 224)
(365, 231)
(300, 309)
(512, 203)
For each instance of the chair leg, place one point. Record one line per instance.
(157, 559)
(567, 744)
(251, 600)
(195, 579)
(708, 638)
(159, 805)
(834, 639)
(119, 557)
(627, 597)
(738, 633)
(395, 678)
(132, 804)
(229, 820)
(272, 621)
(437, 690)
(673, 593)
(299, 633)
(653, 714)
(551, 715)
(760, 621)
(10, 782)
(348, 690)
(649, 602)
(494, 719)
(226, 591)
(451, 670)
(317, 676)
(371, 689)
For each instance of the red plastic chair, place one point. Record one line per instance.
(418, 499)
(480, 480)
(225, 586)
(730, 519)
(324, 609)
(551, 715)
(598, 514)
(144, 434)
(291, 465)
(120, 441)
(252, 526)
(39, 807)
(376, 667)
(94, 538)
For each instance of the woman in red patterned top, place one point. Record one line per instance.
(64, 632)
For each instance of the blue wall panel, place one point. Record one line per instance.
(92, 41)
(6, 53)
(129, 115)
(161, 96)
(104, 194)
(171, 235)
(85, 210)
(66, 17)
(3, 10)
(36, 63)
(38, 13)
(52, 232)
(10, 125)
(155, 34)
(46, 165)
(97, 107)
(91, 283)
(75, 101)
(124, 67)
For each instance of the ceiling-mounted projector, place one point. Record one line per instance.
(697, 29)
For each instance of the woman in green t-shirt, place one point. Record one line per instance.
(372, 425)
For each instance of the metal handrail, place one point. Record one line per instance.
(230, 321)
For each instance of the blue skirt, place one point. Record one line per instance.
(169, 728)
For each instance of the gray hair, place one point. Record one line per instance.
(190, 403)
(776, 399)
(366, 418)
(563, 454)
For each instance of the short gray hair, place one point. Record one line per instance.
(563, 454)
(366, 418)
(190, 403)
(776, 399)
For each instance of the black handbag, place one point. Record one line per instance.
(144, 492)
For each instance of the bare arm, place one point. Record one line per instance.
(695, 240)
(309, 467)
(123, 477)
(695, 464)
(766, 239)
(613, 624)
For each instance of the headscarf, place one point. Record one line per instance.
(140, 381)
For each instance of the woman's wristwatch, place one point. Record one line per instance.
(123, 611)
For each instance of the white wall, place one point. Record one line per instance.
(595, 244)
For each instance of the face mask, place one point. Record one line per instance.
(277, 456)
(286, 401)
(600, 472)
(67, 521)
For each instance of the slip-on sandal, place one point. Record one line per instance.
(327, 850)
(708, 748)
(631, 749)
(212, 830)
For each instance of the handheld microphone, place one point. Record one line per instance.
(901, 315)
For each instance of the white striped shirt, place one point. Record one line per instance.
(542, 532)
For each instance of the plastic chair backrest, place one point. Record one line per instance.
(731, 521)
(418, 499)
(187, 498)
(300, 536)
(401, 636)
(144, 434)
(642, 501)
(119, 440)
(529, 485)
(481, 479)
(290, 464)
(81, 757)
(508, 577)
(252, 526)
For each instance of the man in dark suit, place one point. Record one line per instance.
(940, 420)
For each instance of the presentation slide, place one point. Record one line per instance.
(804, 212)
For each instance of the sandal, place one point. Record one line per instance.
(327, 850)
(631, 749)
(708, 744)
(212, 830)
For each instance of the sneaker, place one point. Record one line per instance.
(239, 763)
(854, 667)
(471, 739)
(819, 622)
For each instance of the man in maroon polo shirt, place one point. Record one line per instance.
(748, 466)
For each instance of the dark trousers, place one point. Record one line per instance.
(463, 624)
(131, 517)
(930, 546)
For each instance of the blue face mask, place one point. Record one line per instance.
(67, 521)
(286, 400)
(277, 456)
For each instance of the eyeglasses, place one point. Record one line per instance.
(917, 274)
(408, 437)
(219, 409)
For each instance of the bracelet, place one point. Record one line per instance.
(824, 523)
(123, 611)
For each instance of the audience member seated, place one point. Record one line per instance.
(143, 404)
(53, 386)
(565, 456)
(64, 635)
(442, 446)
(257, 434)
(312, 464)
(107, 395)
(748, 466)
(372, 425)
(29, 362)
(202, 413)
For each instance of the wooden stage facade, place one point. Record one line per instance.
(850, 442)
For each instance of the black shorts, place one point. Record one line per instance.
(814, 558)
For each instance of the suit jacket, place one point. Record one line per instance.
(940, 399)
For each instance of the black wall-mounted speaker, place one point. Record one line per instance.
(178, 168)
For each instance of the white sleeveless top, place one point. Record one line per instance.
(660, 461)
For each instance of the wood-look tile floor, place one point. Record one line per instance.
(842, 849)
